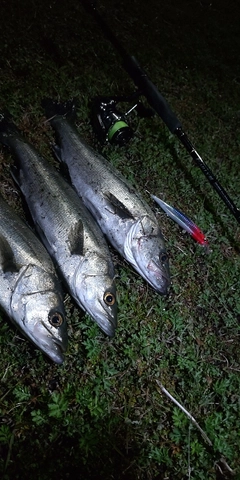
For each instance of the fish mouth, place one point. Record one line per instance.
(106, 322)
(54, 350)
(58, 355)
(162, 283)
(164, 288)
(107, 326)
(109, 330)
(53, 347)
(100, 314)
(136, 252)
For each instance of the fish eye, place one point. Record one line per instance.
(109, 298)
(163, 257)
(55, 319)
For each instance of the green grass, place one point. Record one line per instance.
(101, 414)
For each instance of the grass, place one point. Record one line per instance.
(101, 414)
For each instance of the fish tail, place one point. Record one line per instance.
(7, 128)
(53, 108)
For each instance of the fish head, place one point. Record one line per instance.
(96, 291)
(144, 248)
(37, 309)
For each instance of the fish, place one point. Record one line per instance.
(66, 228)
(125, 218)
(30, 290)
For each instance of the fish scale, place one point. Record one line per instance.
(68, 231)
(122, 214)
(30, 291)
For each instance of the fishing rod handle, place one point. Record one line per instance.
(150, 91)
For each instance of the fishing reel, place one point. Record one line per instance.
(109, 123)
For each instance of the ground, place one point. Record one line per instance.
(102, 414)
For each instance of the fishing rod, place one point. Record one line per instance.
(107, 107)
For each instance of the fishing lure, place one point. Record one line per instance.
(183, 221)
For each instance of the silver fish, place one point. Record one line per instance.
(30, 292)
(124, 217)
(67, 229)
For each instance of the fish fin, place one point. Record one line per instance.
(64, 170)
(57, 152)
(43, 239)
(7, 128)
(7, 260)
(15, 172)
(118, 207)
(53, 108)
(75, 239)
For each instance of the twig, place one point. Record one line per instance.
(9, 451)
(223, 461)
(189, 452)
(11, 388)
(206, 438)
(164, 390)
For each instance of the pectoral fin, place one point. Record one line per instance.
(75, 239)
(117, 206)
(7, 260)
(44, 240)
(15, 172)
(57, 152)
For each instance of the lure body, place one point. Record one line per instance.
(183, 221)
